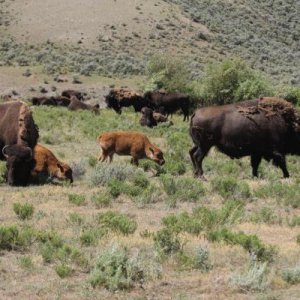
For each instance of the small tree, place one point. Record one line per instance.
(164, 71)
(231, 81)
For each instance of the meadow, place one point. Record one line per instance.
(148, 232)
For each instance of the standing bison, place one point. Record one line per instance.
(131, 143)
(18, 137)
(168, 103)
(123, 97)
(263, 128)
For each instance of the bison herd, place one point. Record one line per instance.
(266, 128)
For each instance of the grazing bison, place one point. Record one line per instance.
(131, 143)
(160, 118)
(168, 103)
(121, 97)
(18, 137)
(70, 93)
(48, 165)
(75, 104)
(147, 118)
(263, 128)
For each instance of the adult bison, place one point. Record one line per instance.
(18, 137)
(123, 97)
(263, 128)
(168, 103)
(70, 93)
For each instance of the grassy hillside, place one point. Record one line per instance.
(157, 234)
(119, 37)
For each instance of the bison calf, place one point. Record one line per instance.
(131, 143)
(48, 165)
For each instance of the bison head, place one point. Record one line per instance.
(113, 103)
(156, 155)
(19, 163)
(63, 172)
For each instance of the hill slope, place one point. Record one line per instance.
(117, 37)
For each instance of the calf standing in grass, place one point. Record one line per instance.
(48, 165)
(131, 143)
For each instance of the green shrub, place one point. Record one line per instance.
(253, 279)
(167, 72)
(229, 187)
(12, 238)
(166, 241)
(90, 236)
(265, 215)
(117, 222)
(141, 181)
(92, 161)
(292, 276)
(63, 270)
(26, 262)
(76, 199)
(116, 270)
(232, 81)
(103, 173)
(251, 243)
(101, 199)
(289, 93)
(23, 211)
(114, 187)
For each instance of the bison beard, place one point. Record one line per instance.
(265, 128)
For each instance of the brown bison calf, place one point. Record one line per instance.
(48, 165)
(131, 143)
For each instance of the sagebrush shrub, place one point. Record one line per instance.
(23, 211)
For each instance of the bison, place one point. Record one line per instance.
(75, 104)
(168, 103)
(48, 165)
(70, 93)
(52, 101)
(265, 128)
(131, 143)
(147, 118)
(18, 137)
(122, 97)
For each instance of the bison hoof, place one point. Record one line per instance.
(200, 176)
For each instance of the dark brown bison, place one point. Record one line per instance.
(147, 118)
(18, 137)
(48, 165)
(168, 103)
(123, 97)
(131, 143)
(70, 93)
(52, 101)
(75, 104)
(263, 128)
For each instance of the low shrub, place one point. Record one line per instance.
(116, 270)
(76, 199)
(26, 262)
(292, 275)
(251, 243)
(253, 279)
(75, 219)
(103, 173)
(114, 187)
(117, 222)
(78, 168)
(166, 241)
(229, 187)
(265, 215)
(90, 236)
(63, 270)
(101, 199)
(23, 211)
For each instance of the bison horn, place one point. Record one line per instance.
(3, 151)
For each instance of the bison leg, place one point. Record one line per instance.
(192, 151)
(255, 161)
(198, 156)
(279, 161)
(135, 161)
